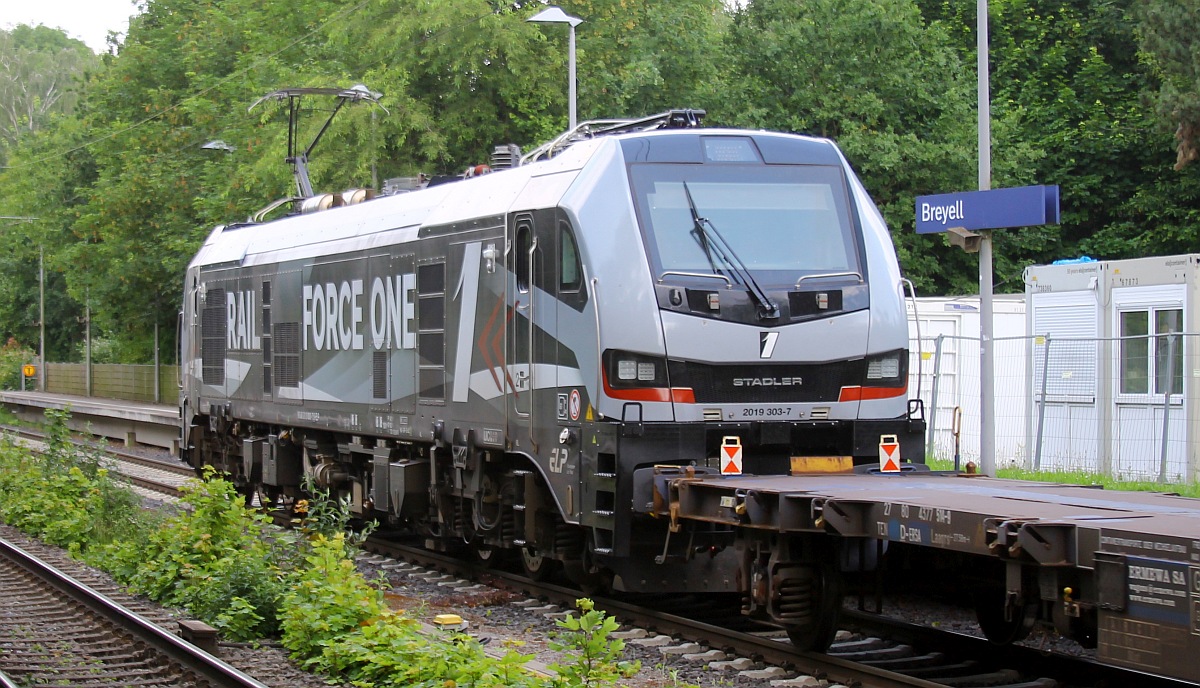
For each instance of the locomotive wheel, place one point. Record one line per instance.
(990, 611)
(590, 582)
(535, 565)
(485, 556)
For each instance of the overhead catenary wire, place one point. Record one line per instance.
(254, 65)
(171, 108)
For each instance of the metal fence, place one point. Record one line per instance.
(116, 381)
(1112, 406)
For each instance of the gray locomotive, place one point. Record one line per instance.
(501, 362)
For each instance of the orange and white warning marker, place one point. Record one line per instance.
(731, 455)
(889, 454)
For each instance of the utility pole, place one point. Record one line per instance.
(41, 318)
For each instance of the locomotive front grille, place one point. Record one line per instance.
(736, 384)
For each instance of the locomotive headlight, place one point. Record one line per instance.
(627, 369)
(645, 372)
(883, 368)
(640, 377)
(887, 367)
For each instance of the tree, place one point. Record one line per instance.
(41, 72)
(49, 188)
(1067, 93)
(881, 81)
(1168, 35)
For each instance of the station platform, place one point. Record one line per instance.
(129, 421)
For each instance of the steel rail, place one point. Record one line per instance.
(142, 482)
(183, 653)
(177, 467)
(771, 651)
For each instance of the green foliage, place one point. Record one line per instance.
(327, 598)
(217, 559)
(327, 516)
(41, 72)
(213, 557)
(1172, 47)
(595, 658)
(1108, 482)
(12, 357)
(62, 495)
(1085, 94)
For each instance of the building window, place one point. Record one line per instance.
(1138, 367)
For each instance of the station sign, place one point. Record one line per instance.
(1022, 206)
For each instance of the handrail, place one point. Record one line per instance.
(829, 275)
(533, 247)
(912, 290)
(707, 275)
(599, 354)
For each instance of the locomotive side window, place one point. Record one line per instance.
(521, 248)
(570, 275)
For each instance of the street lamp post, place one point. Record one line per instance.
(555, 15)
(987, 373)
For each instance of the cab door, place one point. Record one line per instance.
(533, 333)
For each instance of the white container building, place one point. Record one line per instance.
(1120, 394)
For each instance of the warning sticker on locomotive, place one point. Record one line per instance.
(574, 405)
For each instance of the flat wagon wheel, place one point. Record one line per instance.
(813, 597)
(1003, 621)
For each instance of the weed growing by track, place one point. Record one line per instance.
(63, 495)
(229, 567)
(213, 558)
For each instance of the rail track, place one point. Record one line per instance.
(158, 476)
(873, 651)
(56, 631)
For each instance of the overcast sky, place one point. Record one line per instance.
(87, 20)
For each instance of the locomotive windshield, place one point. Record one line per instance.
(781, 221)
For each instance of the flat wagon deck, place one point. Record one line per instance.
(1120, 570)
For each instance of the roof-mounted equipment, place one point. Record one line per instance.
(299, 159)
(671, 119)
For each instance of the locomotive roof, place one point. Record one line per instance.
(398, 218)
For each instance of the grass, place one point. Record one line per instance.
(1083, 478)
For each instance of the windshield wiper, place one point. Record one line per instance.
(713, 243)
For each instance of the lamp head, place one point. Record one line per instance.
(554, 15)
